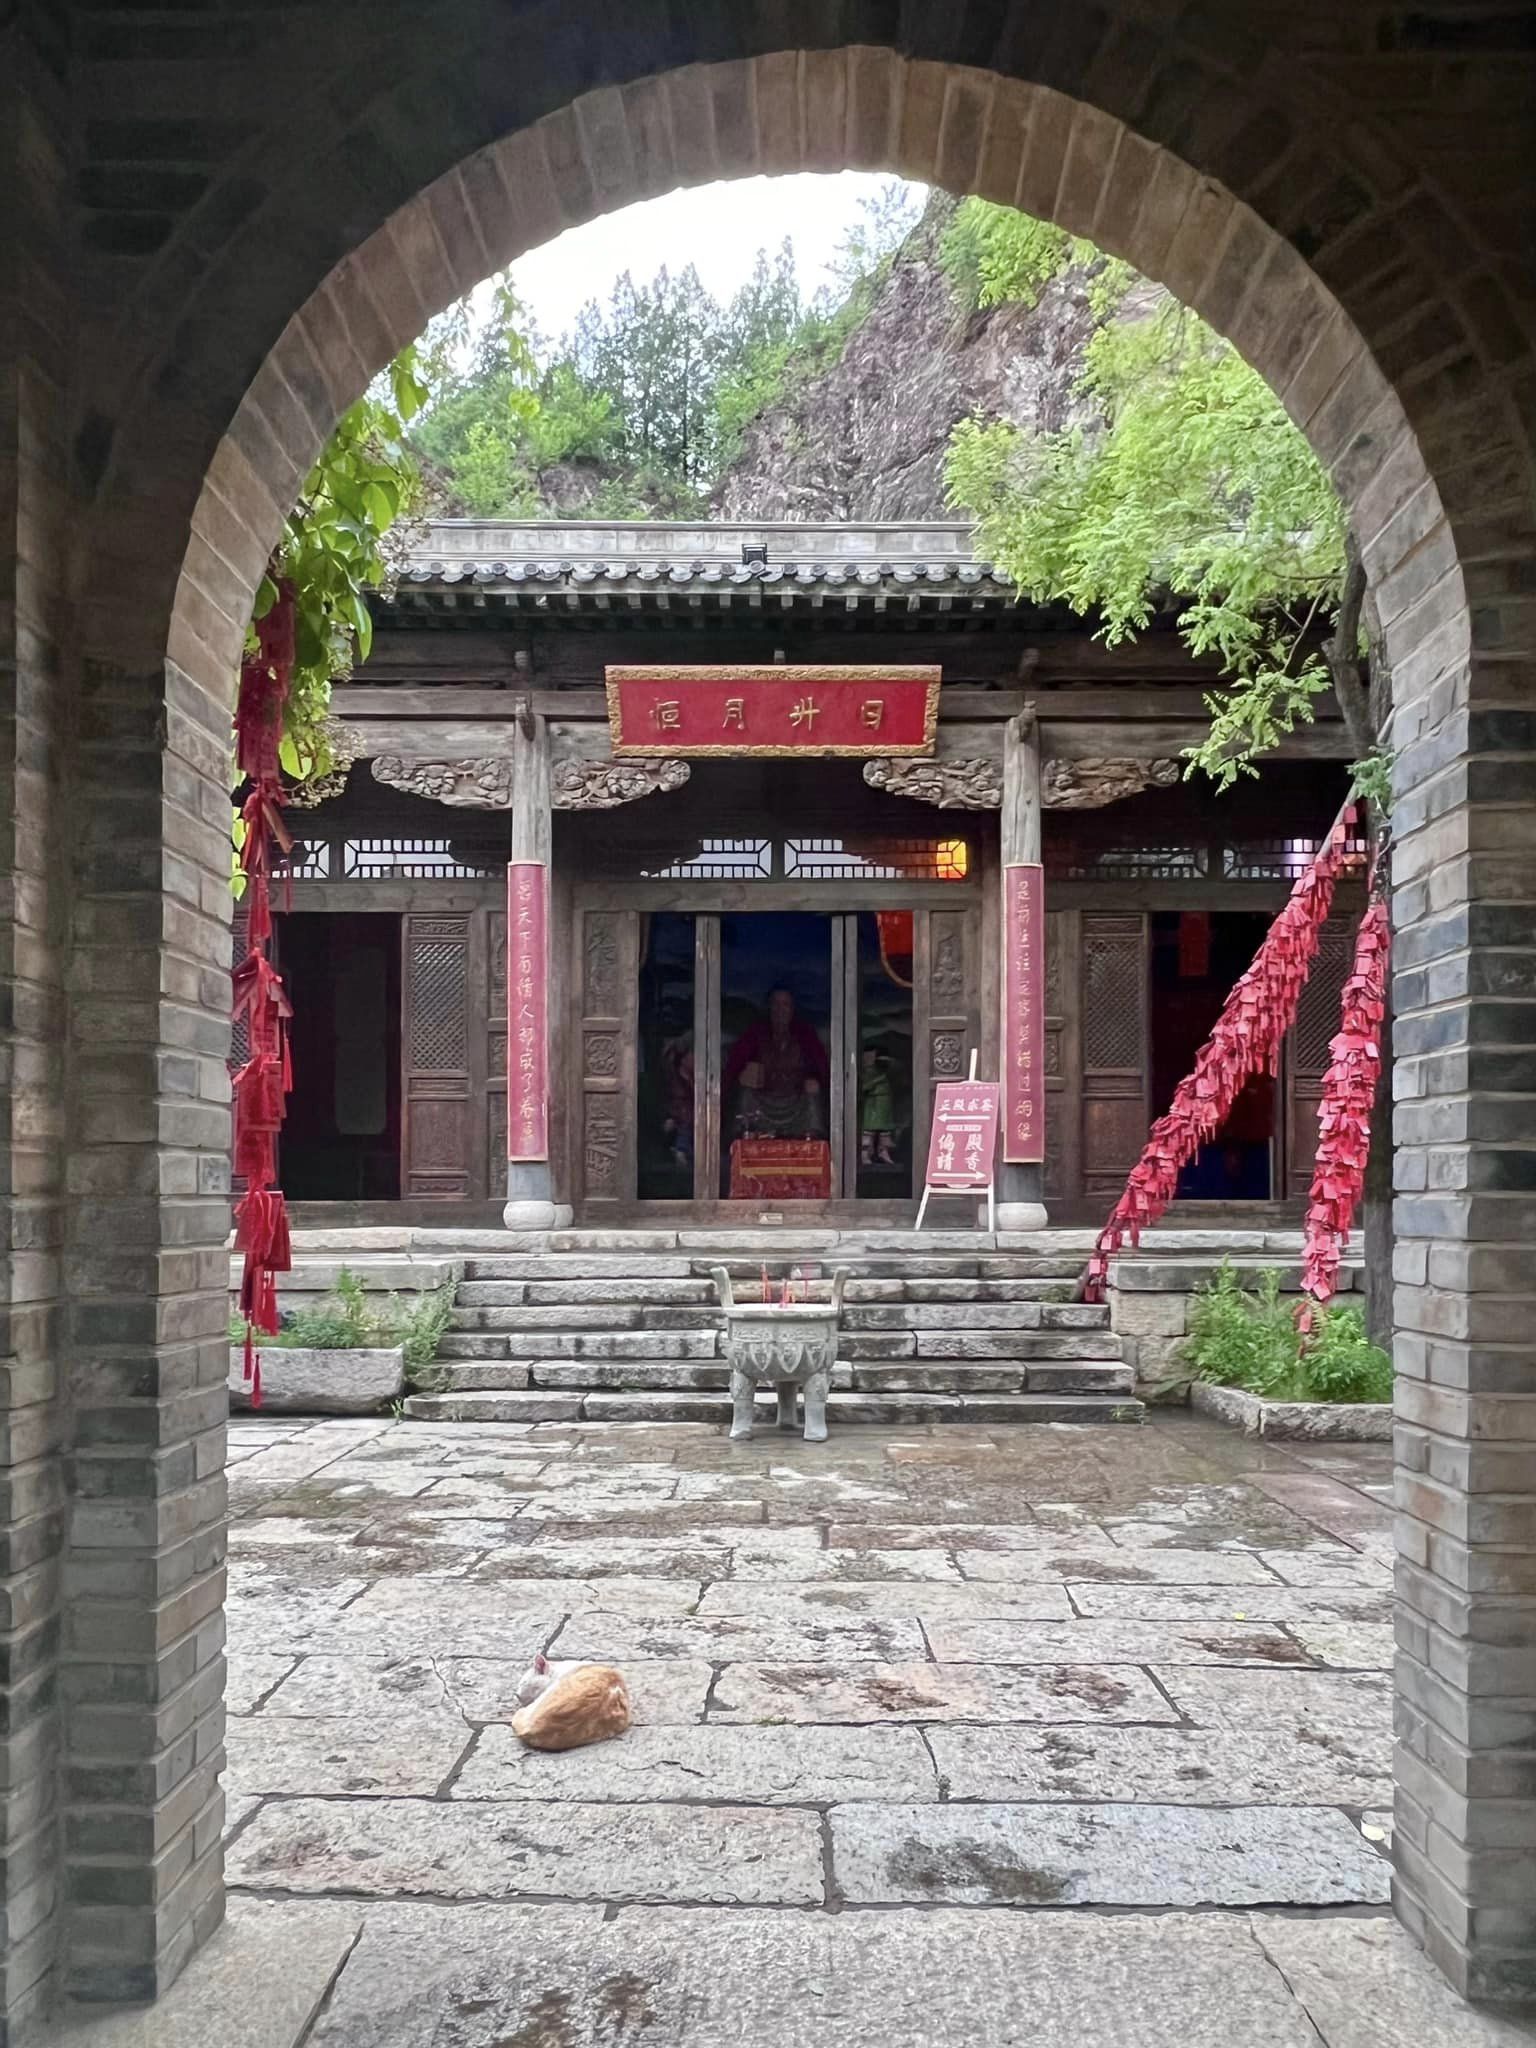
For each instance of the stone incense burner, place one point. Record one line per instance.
(790, 1346)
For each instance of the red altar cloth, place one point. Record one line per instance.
(781, 1170)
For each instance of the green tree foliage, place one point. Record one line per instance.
(334, 548)
(653, 389)
(332, 554)
(1189, 484)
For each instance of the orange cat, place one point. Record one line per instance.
(571, 1704)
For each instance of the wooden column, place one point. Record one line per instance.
(1020, 1189)
(531, 1203)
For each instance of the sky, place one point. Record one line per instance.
(717, 228)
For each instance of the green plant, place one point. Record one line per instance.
(347, 1320)
(422, 1327)
(1239, 1338)
(1341, 1363)
(1247, 1337)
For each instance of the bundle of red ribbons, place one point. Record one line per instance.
(1344, 1115)
(1245, 1040)
(262, 1084)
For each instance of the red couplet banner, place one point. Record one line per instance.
(963, 1142)
(527, 1010)
(1023, 1013)
(784, 710)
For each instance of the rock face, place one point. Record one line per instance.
(301, 1382)
(865, 439)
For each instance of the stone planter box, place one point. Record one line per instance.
(1151, 1296)
(790, 1347)
(1348, 1422)
(296, 1381)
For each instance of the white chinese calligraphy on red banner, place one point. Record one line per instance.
(527, 1010)
(1023, 1013)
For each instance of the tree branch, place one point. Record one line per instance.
(1341, 651)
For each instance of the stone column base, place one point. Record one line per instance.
(535, 1215)
(1022, 1216)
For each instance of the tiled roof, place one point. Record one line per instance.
(424, 572)
(586, 564)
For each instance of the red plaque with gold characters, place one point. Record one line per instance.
(527, 1010)
(1023, 1013)
(690, 712)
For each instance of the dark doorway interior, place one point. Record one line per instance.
(664, 1150)
(341, 1137)
(1196, 957)
(883, 1003)
(775, 1027)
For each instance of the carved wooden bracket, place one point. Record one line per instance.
(976, 784)
(959, 785)
(603, 785)
(485, 784)
(477, 785)
(1101, 779)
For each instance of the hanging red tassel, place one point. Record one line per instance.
(261, 1218)
(1344, 1113)
(1245, 1040)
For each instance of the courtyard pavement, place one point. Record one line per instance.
(1050, 1735)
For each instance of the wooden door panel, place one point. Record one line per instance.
(946, 1012)
(1062, 1058)
(1307, 1049)
(436, 1058)
(608, 971)
(1114, 1036)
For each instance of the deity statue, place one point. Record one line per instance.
(777, 1075)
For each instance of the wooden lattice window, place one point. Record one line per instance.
(439, 1024)
(1113, 1000)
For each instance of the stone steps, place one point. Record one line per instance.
(625, 1326)
(691, 1375)
(871, 1316)
(699, 1292)
(893, 1409)
(947, 1346)
(884, 1265)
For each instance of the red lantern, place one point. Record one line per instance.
(894, 928)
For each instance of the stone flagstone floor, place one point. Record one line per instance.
(962, 1736)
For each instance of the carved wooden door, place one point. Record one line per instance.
(1306, 1051)
(1113, 981)
(1063, 1056)
(946, 1012)
(607, 980)
(437, 1140)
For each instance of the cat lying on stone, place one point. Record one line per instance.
(564, 1705)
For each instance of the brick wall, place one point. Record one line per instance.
(34, 320)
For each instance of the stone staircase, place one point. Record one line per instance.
(623, 1327)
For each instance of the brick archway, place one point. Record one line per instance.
(1296, 229)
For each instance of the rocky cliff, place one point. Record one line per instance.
(864, 439)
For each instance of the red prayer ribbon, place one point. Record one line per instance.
(1344, 1113)
(262, 1084)
(1245, 1039)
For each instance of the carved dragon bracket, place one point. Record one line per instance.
(976, 784)
(485, 783)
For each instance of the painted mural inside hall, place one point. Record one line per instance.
(754, 965)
